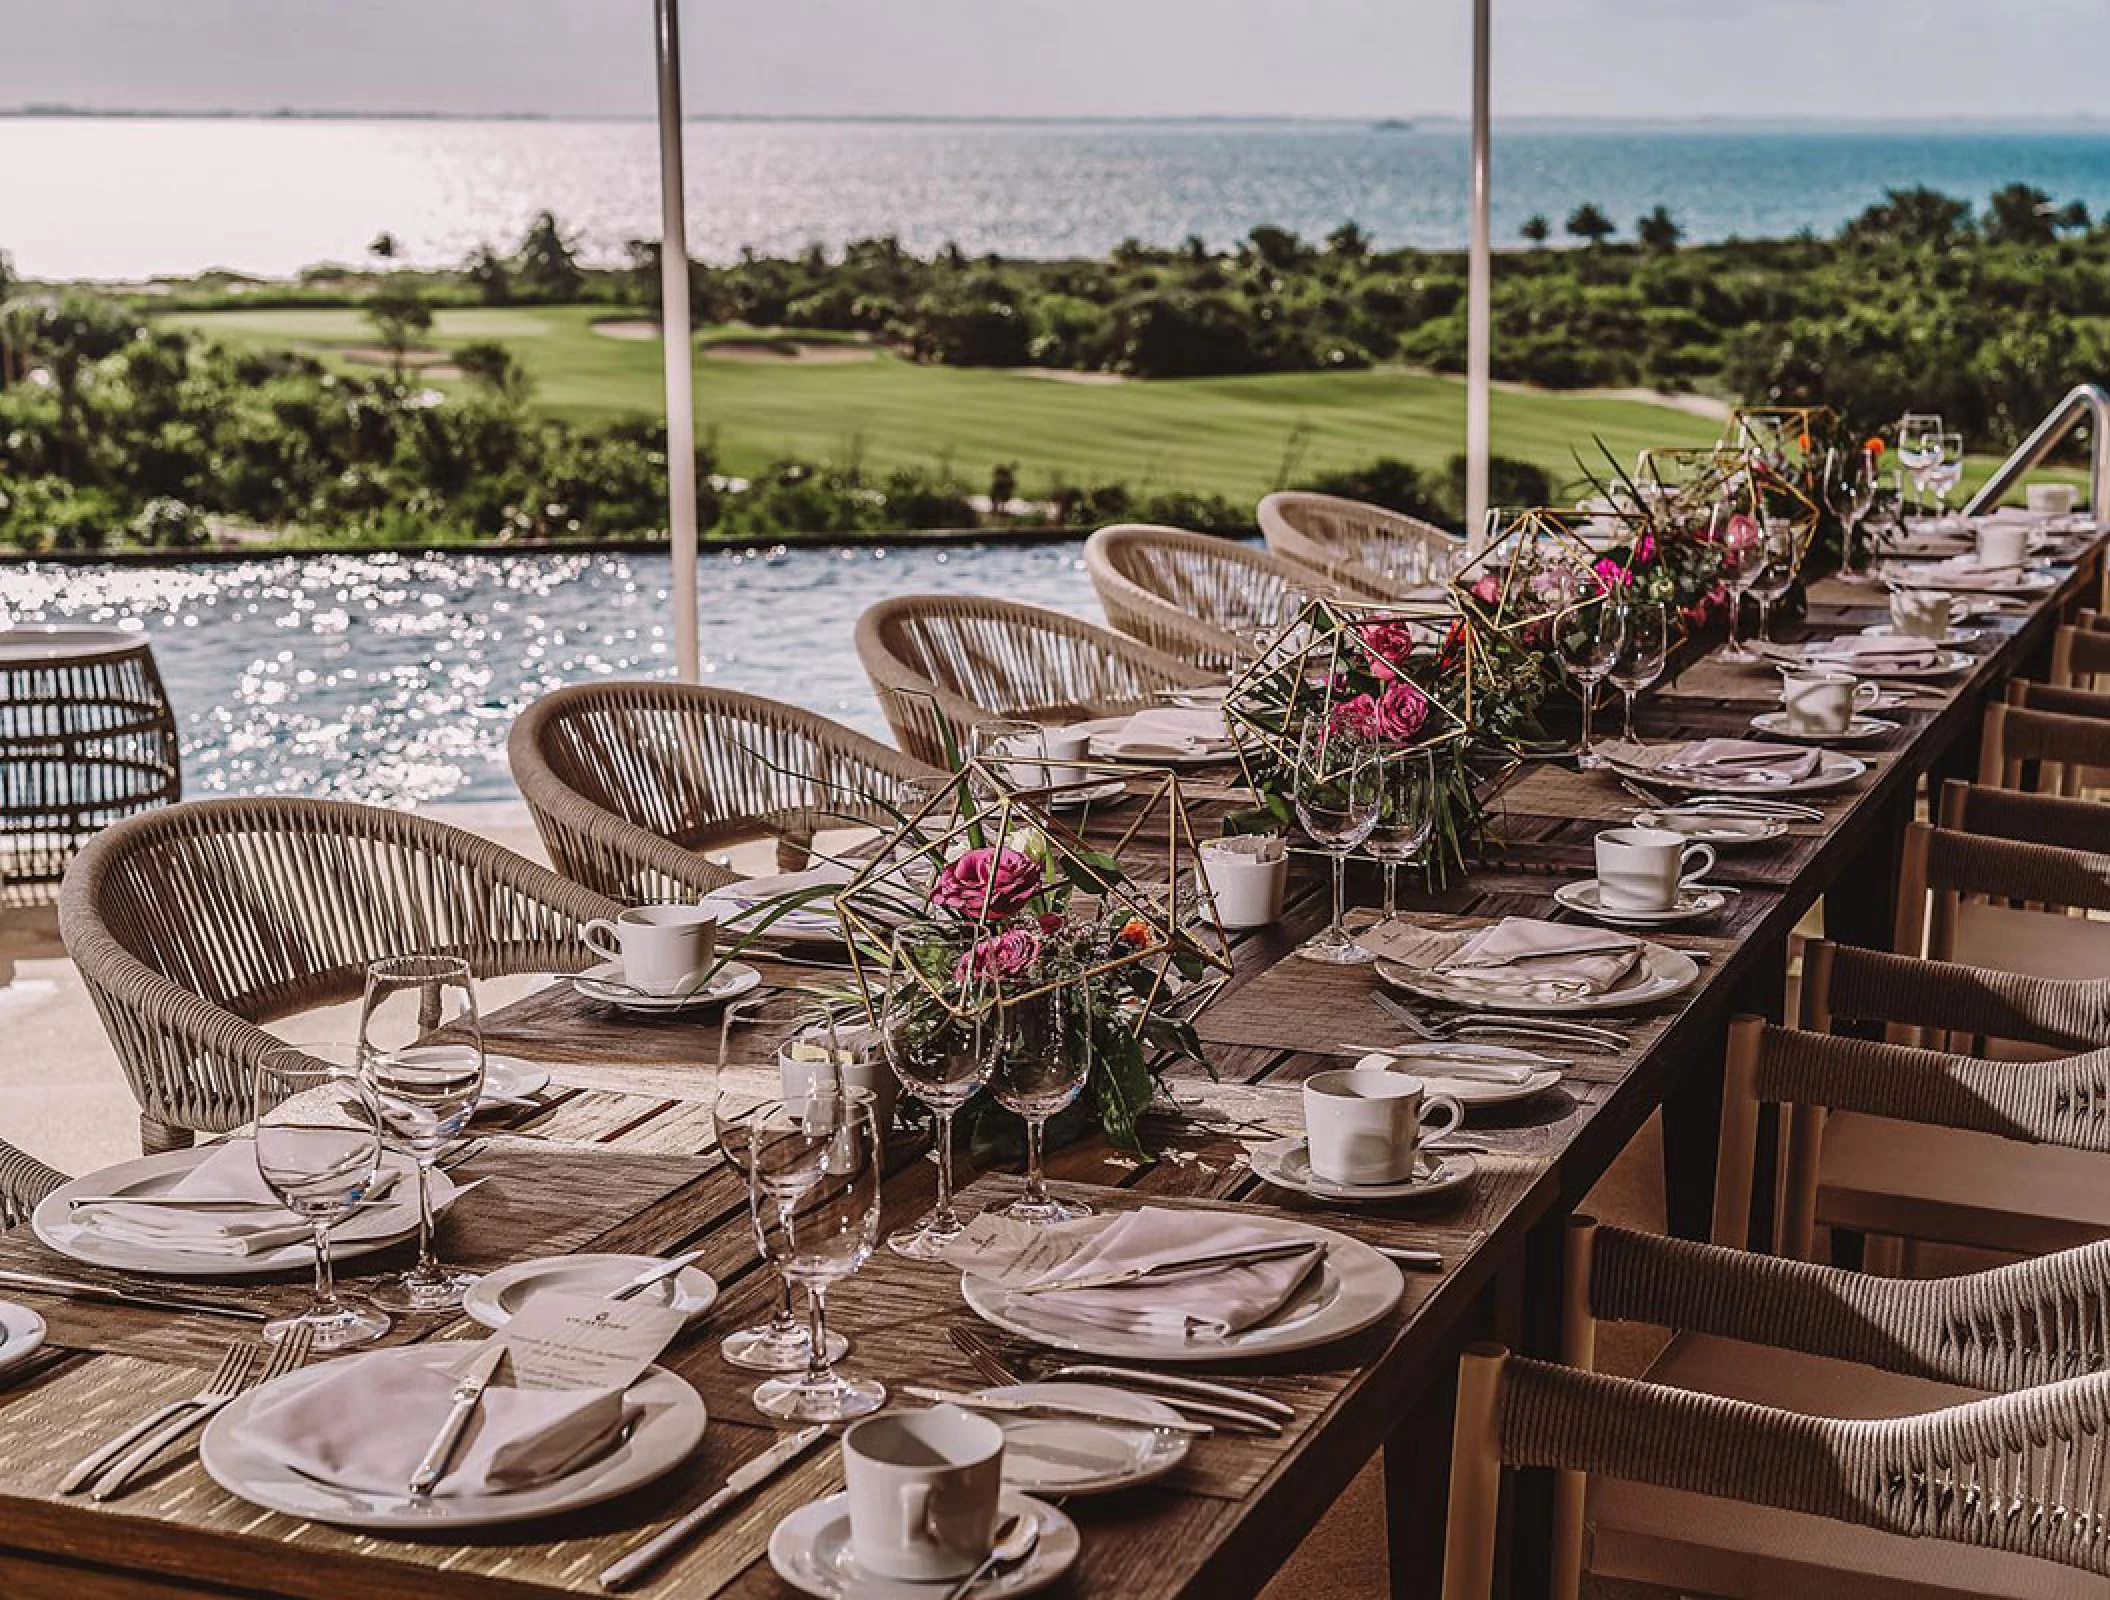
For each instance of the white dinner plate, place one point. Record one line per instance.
(1435, 1065)
(1889, 630)
(605, 984)
(21, 1334)
(1286, 1163)
(811, 1551)
(1858, 731)
(508, 1078)
(1087, 795)
(1659, 974)
(1947, 664)
(1998, 580)
(1694, 902)
(1722, 829)
(497, 1298)
(365, 1231)
(1834, 771)
(668, 1426)
(1052, 1454)
(1353, 1288)
(1101, 727)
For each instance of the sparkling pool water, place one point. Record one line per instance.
(392, 679)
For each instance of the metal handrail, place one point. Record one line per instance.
(2083, 400)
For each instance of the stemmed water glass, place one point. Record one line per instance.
(1336, 796)
(1644, 647)
(1849, 493)
(1002, 745)
(421, 1062)
(1406, 815)
(1741, 544)
(1944, 471)
(814, 1170)
(756, 1028)
(1919, 445)
(1777, 576)
(940, 1039)
(320, 1166)
(1588, 635)
(1043, 1056)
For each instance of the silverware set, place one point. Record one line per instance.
(118, 1295)
(1436, 1029)
(1217, 1403)
(1745, 805)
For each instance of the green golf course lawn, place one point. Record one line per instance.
(1233, 436)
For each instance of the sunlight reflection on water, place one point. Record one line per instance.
(394, 678)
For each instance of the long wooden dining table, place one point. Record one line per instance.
(620, 1157)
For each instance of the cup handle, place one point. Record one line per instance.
(1694, 874)
(1866, 695)
(594, 932)
(915, 1515)
(1454, 1113)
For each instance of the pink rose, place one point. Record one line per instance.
(1486, 590)
(1389, 644)
(991, 883)
(1399, 714)
(1645, 551)
(1355, 718)
(1612, 574)
(998, 957)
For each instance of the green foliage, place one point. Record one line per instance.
(1589, 224)
(400, 317)
(548, 266)
(1658, 230)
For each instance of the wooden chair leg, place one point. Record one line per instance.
(1737, 1158)
(1476, 1477)
(1798, 1182)
(1578, 1349)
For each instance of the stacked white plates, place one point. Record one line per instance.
(1834, 771)
(1286, 1163)
(605, 984)
(1695, 901)
(1659, 974)
(1774, 724)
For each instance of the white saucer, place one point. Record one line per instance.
(1056, 1455)
(605, 984)
(1955, 636)
(1089, 794)
(1722, 829)
(1286, 1163)
(513, 1079)
(497, 1297)
(1694, 903)
(21, 1334)
(1863, 727)
(811, 1551)
(1429, 1061)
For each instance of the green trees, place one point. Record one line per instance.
(2021, 214)
(1658, 231)
(1918, 217)
(492, 365)
(400, 317)
(547, 266)
(1536, 230)
(487, 273)
(1587, 223)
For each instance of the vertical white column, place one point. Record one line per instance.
(674, 339)
(1479, 298)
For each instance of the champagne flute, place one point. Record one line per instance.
(1336, 798)
(1043, 1056)
(749, 1035)
(421, 1059)
(1777, 576)
(939, 1036)
(1644, 647)
(320, 1167)
(1406, 815)
(814, 1172)
(1588, 635)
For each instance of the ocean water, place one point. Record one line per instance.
(117, 198)
(393, 679)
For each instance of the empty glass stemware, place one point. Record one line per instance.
(939, 1036)
(1850, 493)
(1944, 471)
(1741, 544)
(814, 1169)
(320, 1165)
(1043, 1056)
(1588, 635)
(1406, 815)
(1777, 576)
(1336, 796)
(421, 1060)
(1007, 754)
(1644, 647)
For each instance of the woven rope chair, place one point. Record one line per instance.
(2080, 654)
(2061, 733)
(196, 925)
(1193, 595)
(2069, 823)
(629, 783)
(24, 1180)
(1356, 545)
(941, 663)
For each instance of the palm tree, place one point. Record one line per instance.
(1537, 230)
(1588, 223)
(1658, 230)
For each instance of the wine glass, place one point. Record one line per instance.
(939, 1036)
(1336, 796)
(1406, 815)
(814, 1170)
(1043, 1056)
(1777, 576)
(421, 1059)
(1944, 471)
(320, 1166)
(1588, 635)
(1919, 445)
(1002, 747)
(747, 1080)
(1741, 544)
(1644, 647)
(1850, 492)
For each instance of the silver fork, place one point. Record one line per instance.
(1437, 1029)
(287, 1354)
(234, 1362)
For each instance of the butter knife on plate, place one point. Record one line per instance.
(468, 1395)
(752, 1475)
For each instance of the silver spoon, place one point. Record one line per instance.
(1015, 1540)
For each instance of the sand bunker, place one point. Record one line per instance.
(787, 352)
(627, 328)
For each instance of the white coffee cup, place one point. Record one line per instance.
(1061, 746)
(663, 949)
(1367, 1127)
(923, 1491)
(2052, 499)
(2002, 544)
(1644, 869)
(804, 1061)
(1246, 890)
(1823, 702)
(1922, 613)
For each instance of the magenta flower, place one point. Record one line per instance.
(1393, 717)
(1612, 574)
(990, 884)
(998, 957)
(1645, 551)
(1486, 590)
(1389, 644)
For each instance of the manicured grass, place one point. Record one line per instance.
(1233, 436)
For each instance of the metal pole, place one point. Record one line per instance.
(1479, 299)
(675, 344)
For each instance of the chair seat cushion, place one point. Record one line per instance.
(1698, 1544)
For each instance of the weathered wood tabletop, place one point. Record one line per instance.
(621, 1158)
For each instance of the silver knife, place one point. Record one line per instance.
(1166, 1269)
(658, 1272)
(1058, 1408)
(70, 1289)
(468, 1395)
(752, 1475)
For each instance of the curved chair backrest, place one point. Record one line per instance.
(194, 925)
(2059, 743)
(1358, 546)
(2072, 824)
(24, 1180)
(941, 663)
(630, 782)
(1194, 595)
(2080, 655)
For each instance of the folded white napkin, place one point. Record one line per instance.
(1742, 763)
(227, 1173)
(1525, 957)
(1874, 650)
(367, 1426)
(1188, 1306)
(1169, 731)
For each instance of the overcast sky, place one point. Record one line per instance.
(1932, 59)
